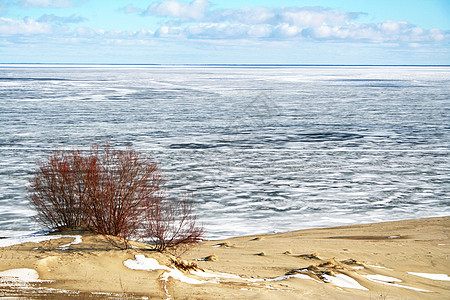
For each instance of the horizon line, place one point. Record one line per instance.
(229, 64)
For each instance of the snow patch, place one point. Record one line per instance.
(300, 276)
(231, 276)
(215, 275)
(20, 275)
(141, 262)
(344, 281)
(401, 286)
(178, 275)
(77, 240)
(150, 264)
(382, 278)
(442, 277)
(394, 237)
(379, 267)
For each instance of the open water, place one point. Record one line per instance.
(262, 149)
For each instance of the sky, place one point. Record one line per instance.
(225, 32)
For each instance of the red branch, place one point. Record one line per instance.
(111, 192)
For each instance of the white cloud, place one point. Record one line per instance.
(26, 26)
(166, 31)
(389, 33)
(260, 31)
(315, 16)
(300, 16)
(392, 27)
(245, 15)
(245, 23)
(46, 3)
(218, 31)
(287, 31)
(89, 36)
(51, 18)
(310, 23)
(130, 9)
(87, 32)
(438, 35)
(194, 10)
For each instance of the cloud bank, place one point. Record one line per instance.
(25, 26)
(196, 20)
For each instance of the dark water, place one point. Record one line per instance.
(261, 149)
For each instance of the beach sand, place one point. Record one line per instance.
(370, 261)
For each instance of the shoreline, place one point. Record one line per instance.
(226, 237)
(365, 261)
(324, 227)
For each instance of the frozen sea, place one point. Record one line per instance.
(261, 148)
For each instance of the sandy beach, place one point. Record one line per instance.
(393, 260)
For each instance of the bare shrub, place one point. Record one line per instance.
(114, 193)
(56, 193)
(120, 186)
(171, 224)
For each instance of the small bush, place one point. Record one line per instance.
(111, 192)
(171, 224)
(56, 191)
(120, 187)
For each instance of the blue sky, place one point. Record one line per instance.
(214, 31)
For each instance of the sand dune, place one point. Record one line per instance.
(393, 260)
